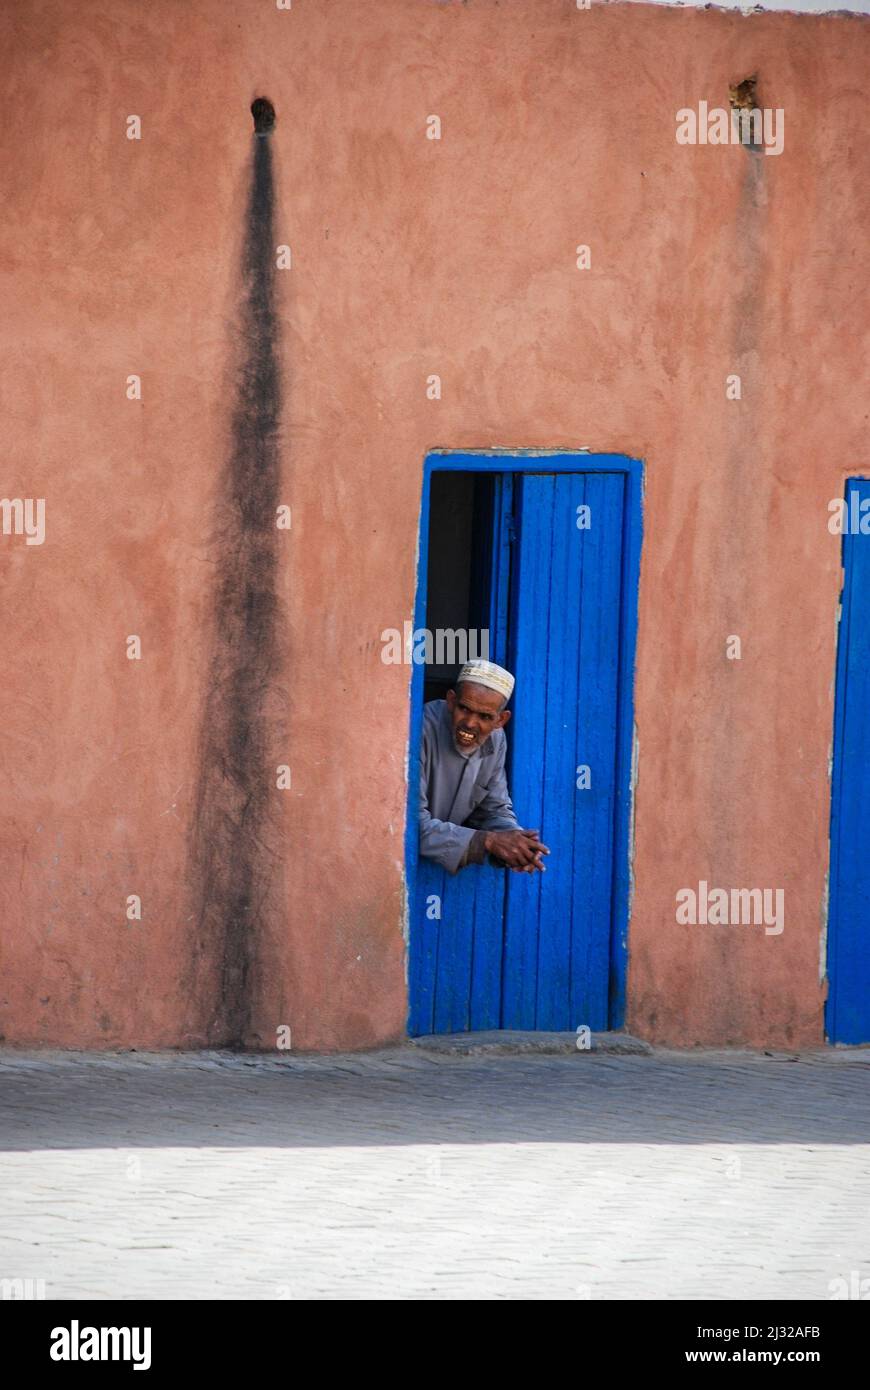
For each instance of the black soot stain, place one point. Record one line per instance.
(235, 860)
(263, 113)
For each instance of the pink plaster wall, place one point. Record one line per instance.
(414, 257)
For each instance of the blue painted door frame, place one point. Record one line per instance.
(847, 1011)
(471, 885)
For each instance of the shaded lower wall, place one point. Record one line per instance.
(410, 257)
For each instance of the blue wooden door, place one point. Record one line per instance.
(565, 643)
(848, 1006)
(494, 949)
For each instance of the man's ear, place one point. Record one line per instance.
(450, 697)
(504, 718)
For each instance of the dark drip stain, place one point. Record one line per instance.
(742, 97)
(263, 113)
(235, 862)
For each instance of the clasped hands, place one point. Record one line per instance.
(520, 850)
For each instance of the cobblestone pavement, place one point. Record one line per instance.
(402, 1174)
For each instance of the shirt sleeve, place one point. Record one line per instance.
(476, 852)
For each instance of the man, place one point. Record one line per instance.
(465, 809)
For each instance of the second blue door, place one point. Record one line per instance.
(848, 1006)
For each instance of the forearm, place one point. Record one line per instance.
(445, 843)
(477, 849)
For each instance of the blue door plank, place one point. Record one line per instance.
(455, 938)
(848, 1006)
(485, 1009)
(527, 731)
(499, 588)
(488, 945)
(557, 888)
(596, 748)
(429, 884)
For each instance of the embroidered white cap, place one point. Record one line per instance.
(488, 674)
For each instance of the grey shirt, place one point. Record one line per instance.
(459, 794)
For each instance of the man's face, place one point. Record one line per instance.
(475, 711)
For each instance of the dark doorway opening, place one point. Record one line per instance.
(460, 580)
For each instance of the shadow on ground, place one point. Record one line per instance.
(403, 1097)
